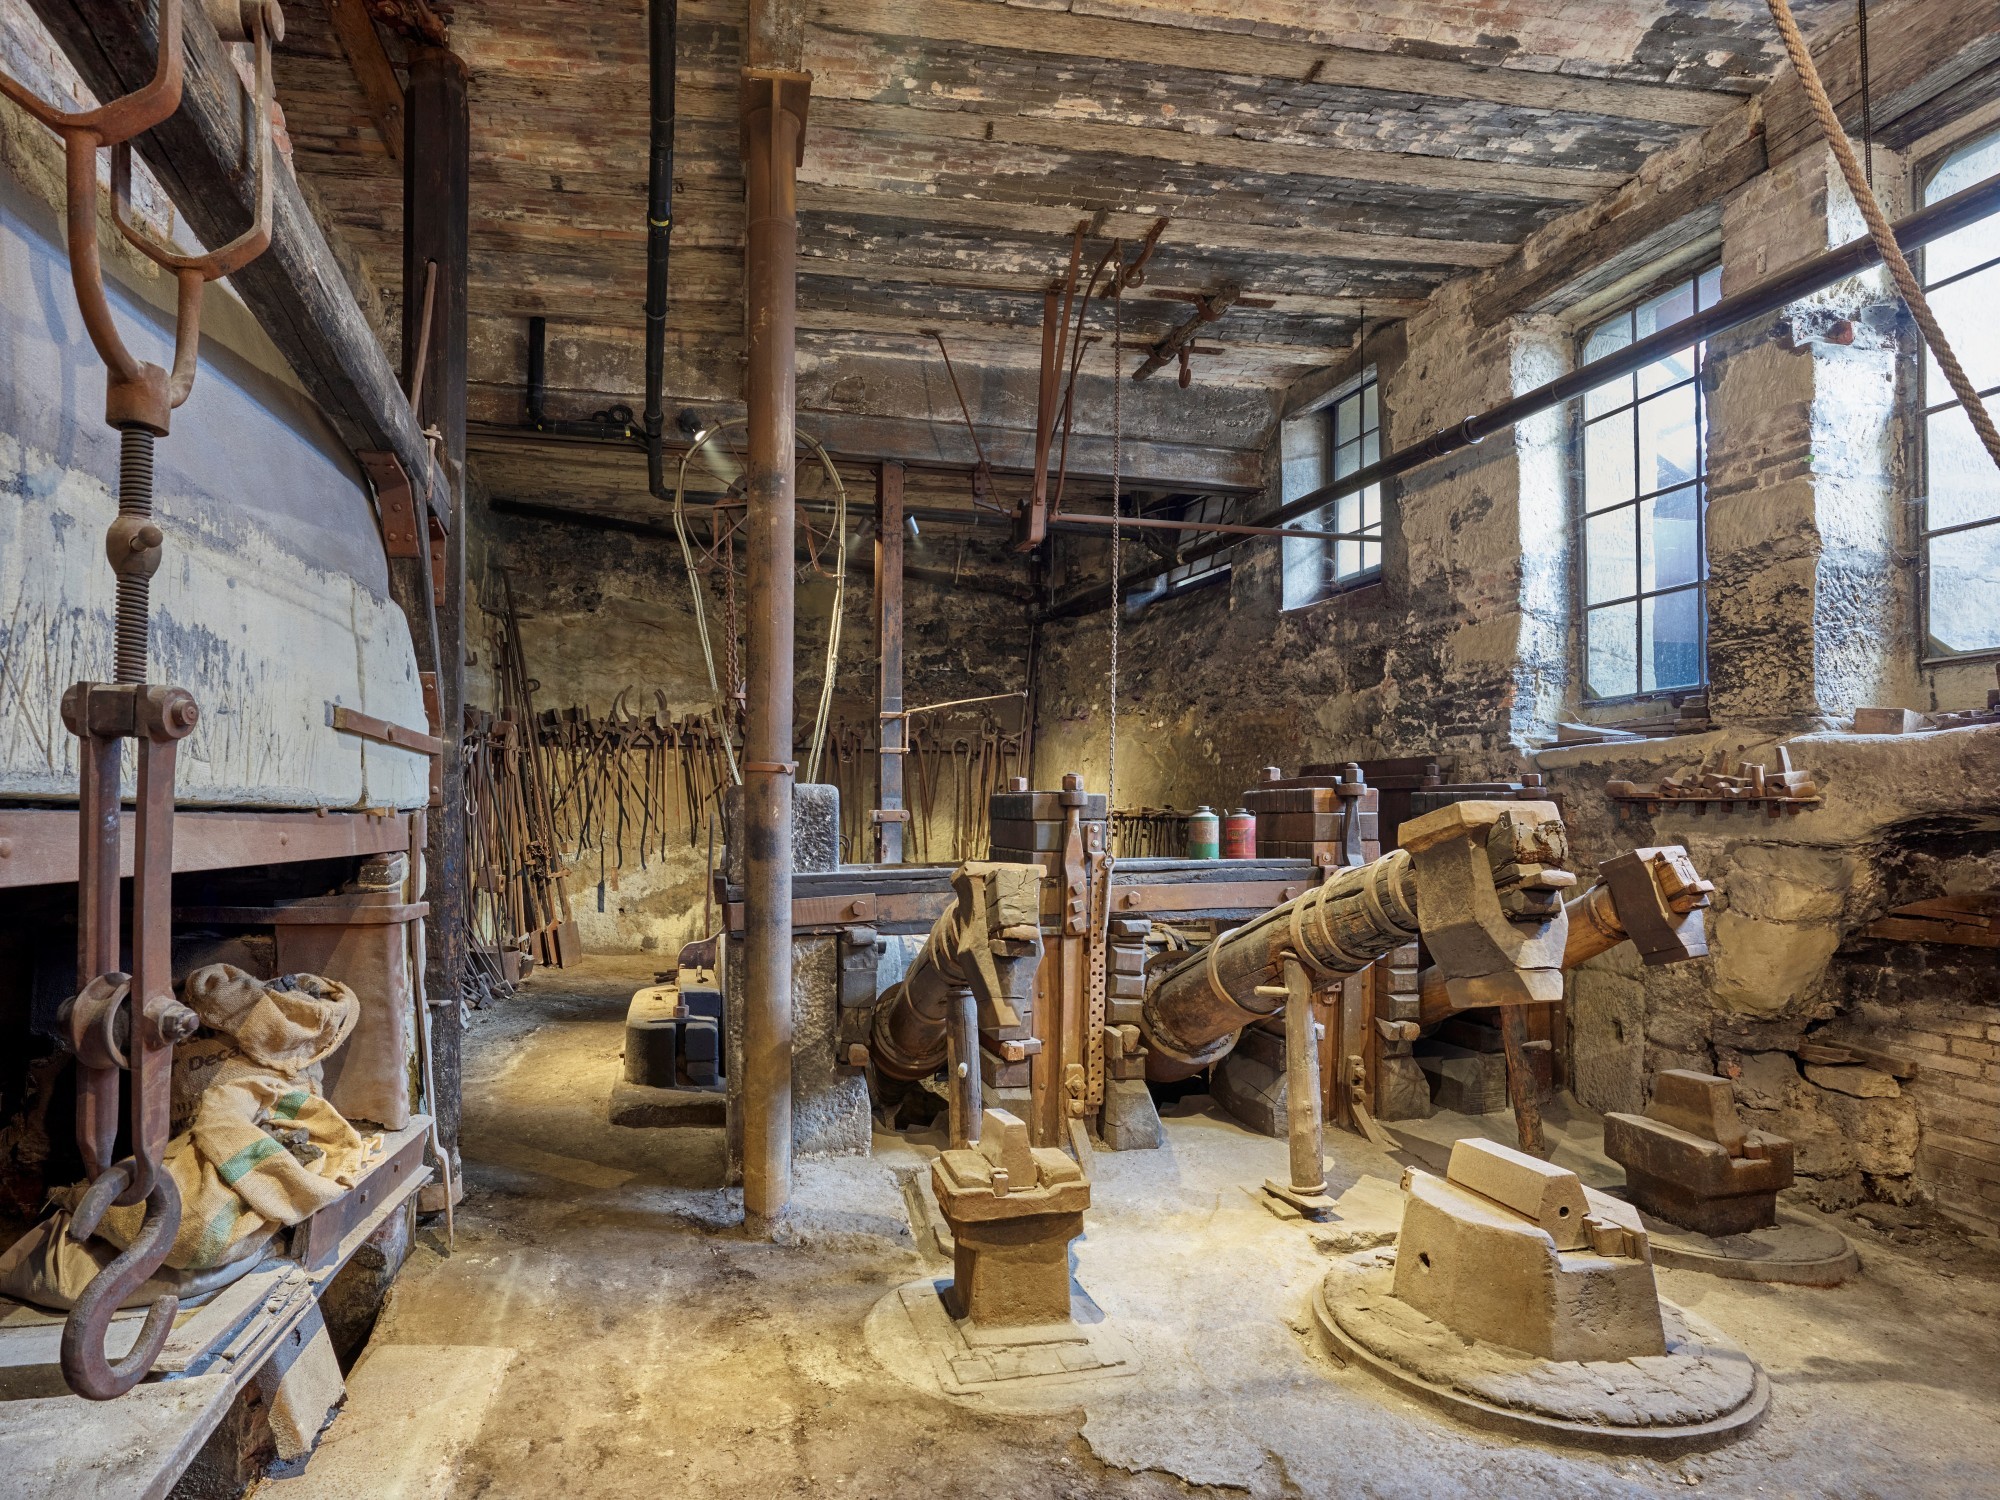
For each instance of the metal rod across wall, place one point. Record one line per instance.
(1940, 219)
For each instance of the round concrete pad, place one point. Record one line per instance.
(1794, 1251)
(1704, 1391)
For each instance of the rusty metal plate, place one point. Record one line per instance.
(1248, 896)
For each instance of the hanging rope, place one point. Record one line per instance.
(1879, 231)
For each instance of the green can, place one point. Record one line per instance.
(1204, 834)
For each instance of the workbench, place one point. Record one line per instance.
(136, 1447)
(904, 900)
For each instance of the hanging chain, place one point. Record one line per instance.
(1867, 106)
(1117, 530)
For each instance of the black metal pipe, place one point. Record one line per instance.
(662, 50)
(1942, 218)
(614, 425)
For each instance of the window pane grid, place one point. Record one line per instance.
(1357, 431)
(1961, 499)
(1644, 494)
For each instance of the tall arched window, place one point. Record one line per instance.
(1961, 505)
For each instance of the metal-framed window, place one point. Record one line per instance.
(1644, 558)
(1344, 437)
(1356, 418)
(1961, 503)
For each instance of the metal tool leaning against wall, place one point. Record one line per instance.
(118, 1022)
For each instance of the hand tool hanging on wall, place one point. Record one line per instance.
(118, 1022)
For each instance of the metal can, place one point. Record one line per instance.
(1239, 835)
(1204, 834)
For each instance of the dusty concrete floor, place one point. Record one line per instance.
(602, 1329)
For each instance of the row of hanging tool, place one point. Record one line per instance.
(955, 765)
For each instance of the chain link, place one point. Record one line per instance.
(1117, 530)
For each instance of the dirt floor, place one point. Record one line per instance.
(602, 1328)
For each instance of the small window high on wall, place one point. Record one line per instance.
(1645, 497)
(1961, 514)
(1344, 438)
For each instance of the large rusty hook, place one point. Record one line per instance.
(85, 1366)
(262, 23)
(135, 389)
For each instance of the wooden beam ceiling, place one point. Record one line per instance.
(1328, 155)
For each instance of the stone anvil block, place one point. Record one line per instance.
(1013, 1208)
(1510, 1250)
(1689, 1159)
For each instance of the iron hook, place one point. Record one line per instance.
(85, 1366)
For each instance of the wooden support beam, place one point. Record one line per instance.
(38, 845)
(890, 813)
(201, 158)
(974, 135)
(436, 207)
(1227, 231)
(1219, 48)
(354, 28)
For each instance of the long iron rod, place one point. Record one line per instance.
(1942, 218)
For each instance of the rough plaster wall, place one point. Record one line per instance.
(1906, 817)
(606, 613)
(1807, 542)
(1462, 644)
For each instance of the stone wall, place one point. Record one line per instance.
(1467, 649)
(606, 617)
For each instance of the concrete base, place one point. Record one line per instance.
(914, 1332)
(1287, 1202)
(1702, 1392)
(1131, 1121)
(638, 1106)
(1792, 1252)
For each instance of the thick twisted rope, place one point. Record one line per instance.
(1880, 232)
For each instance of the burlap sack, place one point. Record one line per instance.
(261, 1149)
(288, 1024)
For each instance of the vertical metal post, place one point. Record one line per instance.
(774, 122)
(437, 133)
(962, 1063)
(895, 730)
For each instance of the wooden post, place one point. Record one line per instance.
(895, 729)
(436, 210)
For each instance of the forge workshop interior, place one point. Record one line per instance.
(999, 748)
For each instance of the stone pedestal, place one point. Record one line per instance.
(1012, 1208)
(1510, 1250)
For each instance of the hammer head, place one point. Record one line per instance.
(1658, 896)
(1000, 938)
(1490, 883)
